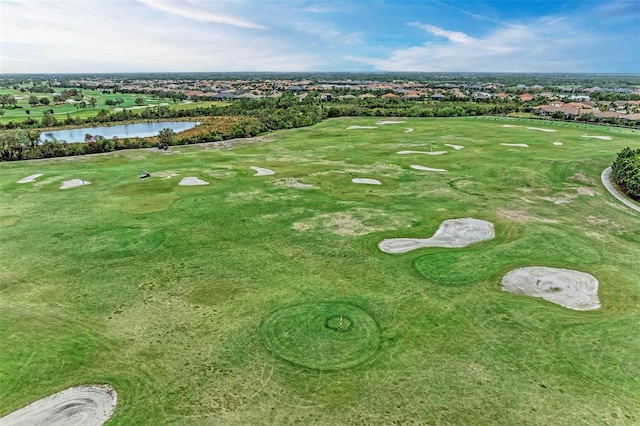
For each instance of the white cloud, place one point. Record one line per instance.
(546, 45)
(89, 36)
(454, 36)
(198, 14)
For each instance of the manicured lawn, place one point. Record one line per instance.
(258, 300)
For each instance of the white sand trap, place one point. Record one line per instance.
(510, 125)
(193, 181)
(524, 145)
(409, 130)
(422, 152)
(73, 183)
(428, 169)
(382, 123)
(566, 287)
(452, 233)
(456, 147)
(542, 130)
(361, 127)
(262, 172)
(604, 138)
(557, 143)
(89, 405)
(31, 178)
(366, 181)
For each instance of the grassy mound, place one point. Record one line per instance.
(322, 336)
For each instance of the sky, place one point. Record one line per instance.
(107, 36)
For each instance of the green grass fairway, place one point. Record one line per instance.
(265, 299)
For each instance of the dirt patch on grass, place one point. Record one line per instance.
(90, 405)
(520, 216)
(294, 183)
(571, 289)
(452, 233)
(567, 198)
(355, 222)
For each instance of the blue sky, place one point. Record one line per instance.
(52, 36)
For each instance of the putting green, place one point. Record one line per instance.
(322, 336)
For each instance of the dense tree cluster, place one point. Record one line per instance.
(625, 171)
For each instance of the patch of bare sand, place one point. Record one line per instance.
(557, 143)
(294, 183)
(427, 169)
(31, 178)
(354, 222)
(541, 129)
(67, 184)
(192, 181)
(366, 181)
(571, 289)
(456, 147)
(361, 127)
(422, 152)
(262, 171)
(166, 175)
(452, 233)
(382, 123)
(604, 138)
(90, 405)
(523, 145)
(409, 130)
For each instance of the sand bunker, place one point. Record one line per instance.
(262, 172)
(557, 143)
(456, 147)
(382, 123)
(422, 152)
(366, 181)
(361, 127)
(452, 233)
(566, 287)
(192, 181)
(409, 130)
(73, 183)
(604, 138)
(428, 169)
(31, 178)
(89, 405)
(524, 145)
(542, 130)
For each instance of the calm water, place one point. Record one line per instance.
(140, 130)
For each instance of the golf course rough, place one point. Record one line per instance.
(322, 336)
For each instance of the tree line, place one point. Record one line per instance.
(625, 171)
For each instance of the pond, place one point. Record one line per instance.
(140, 130)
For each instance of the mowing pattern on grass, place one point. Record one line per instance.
(322, 336)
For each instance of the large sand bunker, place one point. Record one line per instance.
(73, 183)
(193, 181)
(89, 405)
(566, 287)
(361, 127)
(262, 172)
(530, 128)
(452, 233)
(31, 178)
(422, 152)
(428, 169)
(366, 181)
(523, 145)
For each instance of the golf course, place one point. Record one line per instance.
(411, 271)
